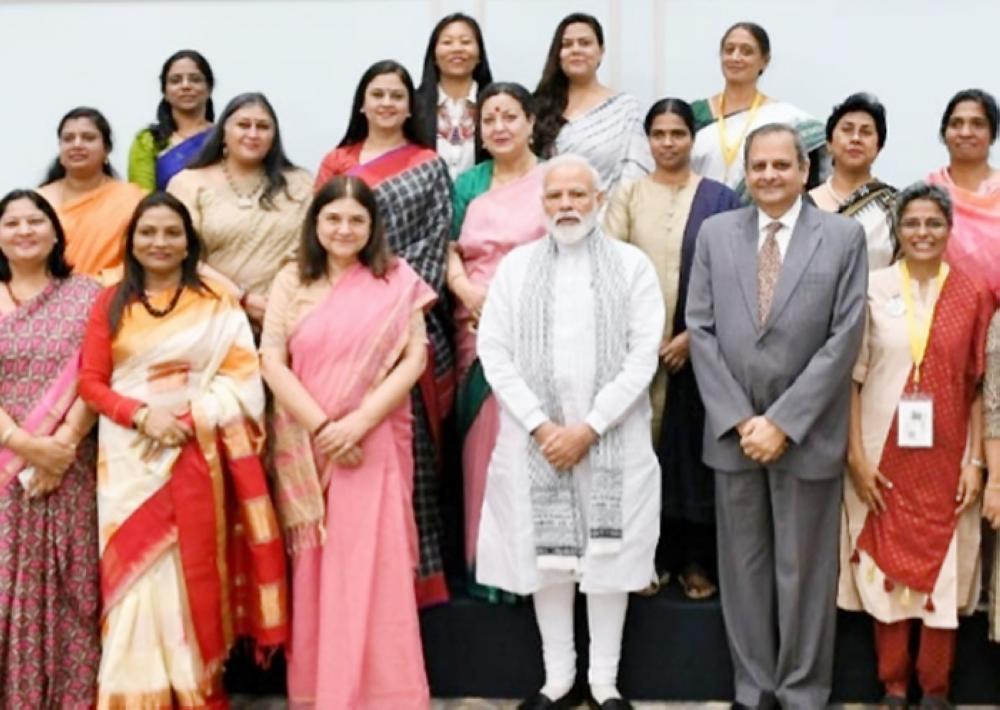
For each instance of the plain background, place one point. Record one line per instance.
(307, 56)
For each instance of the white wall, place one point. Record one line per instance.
(306, 55)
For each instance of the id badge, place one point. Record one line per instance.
(916, 421)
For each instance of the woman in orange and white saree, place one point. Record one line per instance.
(191, 555)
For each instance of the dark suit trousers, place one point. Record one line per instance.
(778, 564)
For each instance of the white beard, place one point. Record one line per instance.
(568, 234)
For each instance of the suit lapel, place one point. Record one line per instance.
(745, 255)
(805, 239)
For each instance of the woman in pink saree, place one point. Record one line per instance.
(969, 127)
(49, 592)
(343, 343)
(497, 205)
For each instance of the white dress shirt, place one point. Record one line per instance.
(783, 235)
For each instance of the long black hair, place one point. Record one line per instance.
(427, 92)
(56, 263)
(57, 171)
(275, 163)
(507, 88)
(376, 255)
(357, 127)
(165, 124)
(133, 282)
(552, 91)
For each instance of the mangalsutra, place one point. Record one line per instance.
(244, 200)
(157, 312)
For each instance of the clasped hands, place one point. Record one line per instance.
(161, 427)
(340, 439)
(761, 440)
(50, 456)
(563, 446)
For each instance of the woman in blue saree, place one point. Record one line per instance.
(183, 119)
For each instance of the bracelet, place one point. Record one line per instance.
(140, 417)
(7, 434)
(318, 430)
(977, 462)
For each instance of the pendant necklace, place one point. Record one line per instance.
(244, 200)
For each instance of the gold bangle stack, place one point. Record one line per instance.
(140, 419)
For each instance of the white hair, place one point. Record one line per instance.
(572, 160)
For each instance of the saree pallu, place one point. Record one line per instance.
(49, 644)
(191, 554)
(871, 204)
(355, 630)
(974, 245)
(95, 225)
(151, 167)
(900, 552)
(708, 159)
(492, 223)
(413, 191)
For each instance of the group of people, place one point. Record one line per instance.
(704, 344)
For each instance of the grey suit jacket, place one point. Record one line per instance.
(796, 368)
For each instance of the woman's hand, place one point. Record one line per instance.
(868, 482)
(42, 483)
(352, 459)
(47, 454)
(336, 439)
(164, 427)
(674, 352)
(472, 296)
(970, 483)
(255, 305)
(991, 506)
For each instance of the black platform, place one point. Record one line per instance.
(674, 649)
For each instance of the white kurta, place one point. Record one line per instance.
(505, 555)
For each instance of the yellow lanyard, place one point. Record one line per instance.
(919, 335)
(731, 150)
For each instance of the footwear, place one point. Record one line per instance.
(610, 704)
(935, 702)
(542, 702)
(695, 583)
(889, 702)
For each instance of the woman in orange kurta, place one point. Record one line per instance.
(94, 207)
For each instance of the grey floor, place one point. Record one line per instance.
(274, 703)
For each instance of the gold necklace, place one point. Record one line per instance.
(244, 200)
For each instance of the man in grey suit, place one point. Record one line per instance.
(775, 314)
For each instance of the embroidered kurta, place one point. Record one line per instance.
(883, 368)
(506, 554)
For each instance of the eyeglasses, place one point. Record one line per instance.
(934, 226)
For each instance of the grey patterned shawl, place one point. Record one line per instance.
(559, 534)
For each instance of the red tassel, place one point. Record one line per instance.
(929, 606)
(888, 585)
(855, 558)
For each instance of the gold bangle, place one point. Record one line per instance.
(140, 417)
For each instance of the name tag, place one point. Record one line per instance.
(916, 422)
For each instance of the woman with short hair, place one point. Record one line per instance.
(910, 532)
(855, 135)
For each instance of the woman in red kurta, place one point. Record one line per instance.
(911, 518)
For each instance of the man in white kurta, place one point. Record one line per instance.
(594, 333)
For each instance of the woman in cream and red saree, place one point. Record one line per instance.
(383, 146)
(343, 344)
(191, 555)
(49, 645)
(969, 127)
